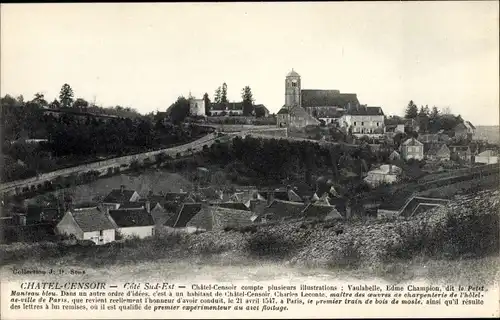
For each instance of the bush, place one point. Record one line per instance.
(266, 244)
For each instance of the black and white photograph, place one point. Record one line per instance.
(249, 160)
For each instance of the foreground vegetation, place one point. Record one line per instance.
(466, 229)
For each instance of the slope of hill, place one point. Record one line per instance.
(150, 180)
(463, 233)
(488, 133)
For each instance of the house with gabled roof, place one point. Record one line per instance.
(282, 210)
(88, 224)
(133, 223)
(437, 152)
(409, 205)
(465, 130)
(231, 205)
(295, 117)
(412, 149)
(461, 153)
(364, 120)
(319, 211)
(216, 218)
(186, 212)
(119, 196)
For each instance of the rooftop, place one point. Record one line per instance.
(92, 220)
(131, 218)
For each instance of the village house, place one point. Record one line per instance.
(295, 117)
(261, 110)
(282, 210)
(465, 130)
(386, 173)
(133, 223)
(118, 196)
(323, 212)
(364, 120)
(218, 109)
(487, 157)
(437, 152)
(180, 219)
(394, 156)
(216, 218)
(231, 205)
(412, 206)
(461, 153)
(88, 224)
(412, 149)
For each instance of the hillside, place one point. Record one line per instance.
(463, 233)
(154, 180)
(489, 133)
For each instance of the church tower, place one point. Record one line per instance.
(292, 89)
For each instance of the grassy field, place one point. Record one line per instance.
(150, 179)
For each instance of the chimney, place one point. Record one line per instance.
(148, 206)
(122, 188)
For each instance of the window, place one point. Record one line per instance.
(354, 122)
(294, 83)
(101, 233)
(362, 123)
(377, 124)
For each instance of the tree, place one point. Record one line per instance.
(434, 113)
(55, 104)
(80, 104)
(40, 99)
(247, 97)
(179, 110)
(223, 94)
(411, 110)
(66, 95)
(217, 96)
(423, 120)
(206, 99)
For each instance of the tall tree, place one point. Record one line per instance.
(206, 99)
(411, 110)
(40, 99)
(247, 97)
(66, 95)
(55, 104)
(223, 94)
(179, 110)
(80, 104)
(434, 113)
(423, 120)
(217, 96)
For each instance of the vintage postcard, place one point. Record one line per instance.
(249, 160)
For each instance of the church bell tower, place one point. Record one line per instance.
(292, 90)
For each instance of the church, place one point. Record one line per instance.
(305, 107)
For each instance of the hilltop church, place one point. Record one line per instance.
(308, 106)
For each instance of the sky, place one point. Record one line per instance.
(144, 56)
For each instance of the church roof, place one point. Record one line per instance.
(324, 98)
(293, 74)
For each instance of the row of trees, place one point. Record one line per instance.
(75, 138)
(432, 119)
(275, 161)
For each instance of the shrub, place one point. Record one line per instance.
(266, 244)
